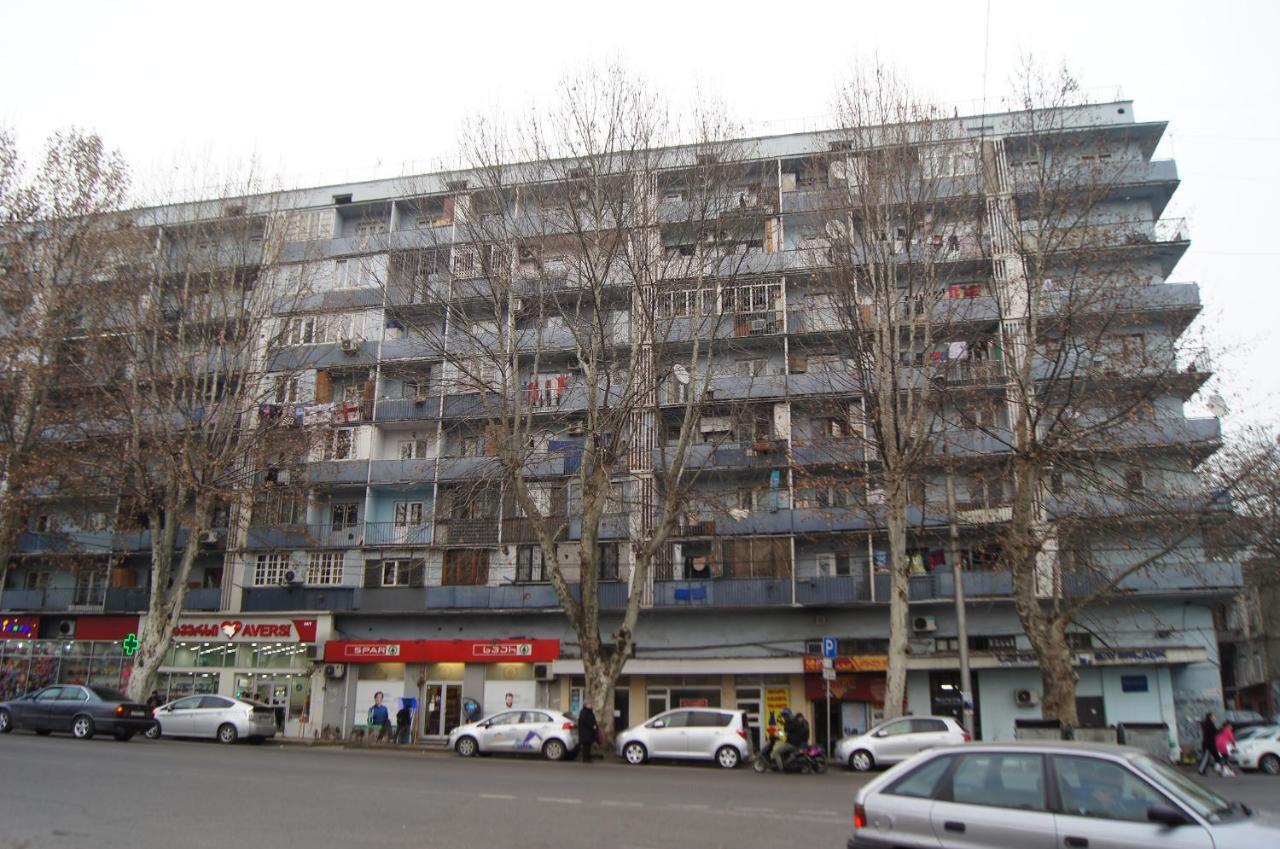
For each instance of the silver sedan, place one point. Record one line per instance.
(1047, 795)
(221, 717)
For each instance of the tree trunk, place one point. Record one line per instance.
(168, 589)
(1057, 673)
(895, 690)
(598, 691)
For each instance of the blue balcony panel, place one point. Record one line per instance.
(266, 599)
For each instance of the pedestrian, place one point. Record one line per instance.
(154, 700)
(587, 731)
(1208, 742)
(1225, 741)
(379, 717)
(404, 717)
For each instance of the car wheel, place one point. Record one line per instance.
(553, 750)
(123, 736)
(635, 753)
(82, 727)
(467, 747)
(1270, 764)
(6, 722)
(861, 761)
(728, 757)
(152, 733)
(227, 733)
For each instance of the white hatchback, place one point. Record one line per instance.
(898, 739)
(689, 734)
(522, 732)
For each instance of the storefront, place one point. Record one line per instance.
(68, 650)
(443, 683)
(856, 694)
(267, 659)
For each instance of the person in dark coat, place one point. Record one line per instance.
(1208, 742)
(587, 731)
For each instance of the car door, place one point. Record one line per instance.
(927, 733)
(894, 741)
(995, 800)
(177, 719)
(499, 733)
(40, 714)
(534, 729)
(71, 701)
(667, 733)
(1102, 804)
(208, 715)
(706, 727)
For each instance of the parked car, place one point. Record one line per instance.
(898, 739)
(221, 717)
(1048, 794)
(525, 732)
(1242, 719)
(689, 734)
(83, 711)
(1258, 747)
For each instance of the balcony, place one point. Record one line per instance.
(402, 471)
(268, 599)
(397, 534)
(467, 531)
(734, 592)
(367, 534)
(337, 472)
(613, 526)
(126, 600)
(707, 456)
(470, 468)
(408, 409)
(37, 600)
(207, 598)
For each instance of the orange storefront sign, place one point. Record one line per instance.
(850, 663)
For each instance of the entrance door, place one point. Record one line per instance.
(749, 701)
(274, 692)
(444, 708)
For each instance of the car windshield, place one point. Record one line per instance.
(1192, 793)
(109, 695)
(1257, 731)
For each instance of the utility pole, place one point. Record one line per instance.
(957, 573)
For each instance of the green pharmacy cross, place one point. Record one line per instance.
(130, 644)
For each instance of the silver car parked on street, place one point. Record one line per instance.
(1045, 795)
(220, 717)
(689, 734)
(522, 732)
(898, 739)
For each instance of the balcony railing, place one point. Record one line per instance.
(467, 531)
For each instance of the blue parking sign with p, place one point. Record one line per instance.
(828, 646)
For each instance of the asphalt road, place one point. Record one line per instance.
(58, 792)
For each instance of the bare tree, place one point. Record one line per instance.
(58, 240)
(897, 228)
(587, 288)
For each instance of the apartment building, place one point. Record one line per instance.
(391, 554)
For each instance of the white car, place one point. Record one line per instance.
(689, 734)
(221, 717)
(1258, 748)
(898, 739)
(523, 732)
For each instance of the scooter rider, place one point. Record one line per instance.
(792, 728)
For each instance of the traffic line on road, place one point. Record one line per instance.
(614, 803)
(679, 806)
(495, 796)
(559, 800)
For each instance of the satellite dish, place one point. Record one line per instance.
(836, 229)
(1217, 405)
(681, 373)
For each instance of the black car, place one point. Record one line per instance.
(83, 711)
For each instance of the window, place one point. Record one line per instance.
(1092, 787)
(893, 729)
(325, 568)
(1133, 683)
(366, 229)
(413, 449)
(922, 782)
(396, 573)
(1002, 781)
(286, 390)
(215, 703)
(44, 523)
(472, 446)
(91, 584)
(269, 570)
(345, 515)
(408, 514)
(755, 367)
(339, 444)
(679, 719)
(607, 557)
(541, 498)
(928, 726)
(709, 719)
(531, 566)
(36, 580)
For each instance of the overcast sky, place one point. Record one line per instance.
(320, 92)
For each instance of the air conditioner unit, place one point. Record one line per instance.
(209, 538)
(335, 670)
(924, 623)
(350, 344)
(291, 577)
(542, 672)
(66, 627)
(1026, 698)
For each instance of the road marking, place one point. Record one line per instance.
(495, 796)
(683, 807)
(559, 800)
(614, 803)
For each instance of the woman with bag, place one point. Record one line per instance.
(1225, 741)
(588, 730)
